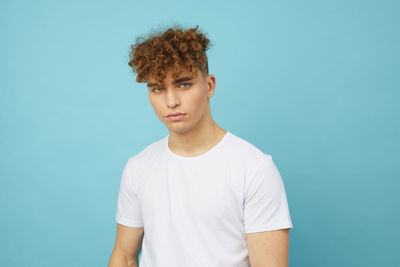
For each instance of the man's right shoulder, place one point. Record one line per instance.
(147, 154)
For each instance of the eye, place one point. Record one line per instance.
(156, 90)
(187, 84)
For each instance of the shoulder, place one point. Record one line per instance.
(146, 156)
(247, 152)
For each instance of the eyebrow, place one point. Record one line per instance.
(179, 80)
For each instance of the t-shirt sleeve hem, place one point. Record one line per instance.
(263, 228)
(129, 223)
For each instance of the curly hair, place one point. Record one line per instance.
(174, 49)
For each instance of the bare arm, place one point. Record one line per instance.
(128, 244)
(269, 248)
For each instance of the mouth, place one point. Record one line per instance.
(176, 116)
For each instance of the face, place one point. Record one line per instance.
(186, 95)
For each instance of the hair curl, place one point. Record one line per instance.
(174, 49)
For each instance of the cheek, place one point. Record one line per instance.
(155, 103)
(197, 100)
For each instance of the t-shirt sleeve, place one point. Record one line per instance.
(265, 203)
(128, 209)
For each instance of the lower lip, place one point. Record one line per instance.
(176, 118)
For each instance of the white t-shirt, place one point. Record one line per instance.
(196, 211)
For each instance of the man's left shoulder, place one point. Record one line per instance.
(246, 151)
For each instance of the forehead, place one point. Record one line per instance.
(169, 76)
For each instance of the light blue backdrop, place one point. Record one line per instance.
(313, 83)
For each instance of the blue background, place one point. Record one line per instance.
(313, 83)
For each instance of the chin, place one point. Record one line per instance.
(178, 128)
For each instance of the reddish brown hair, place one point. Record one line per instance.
(174, 49)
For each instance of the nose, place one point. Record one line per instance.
(172, 98)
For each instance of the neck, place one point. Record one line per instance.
(197, 140)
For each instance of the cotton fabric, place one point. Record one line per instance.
(196, 211)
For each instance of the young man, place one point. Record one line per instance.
(201, 196)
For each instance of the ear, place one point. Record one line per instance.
(210, 79)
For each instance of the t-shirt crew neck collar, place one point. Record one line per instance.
(226, 136)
